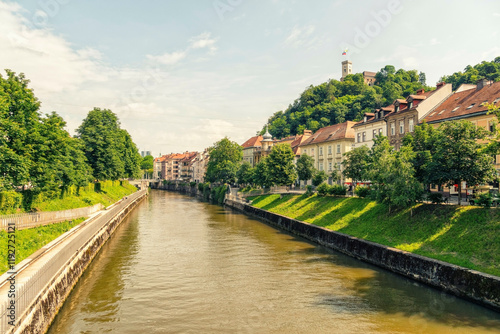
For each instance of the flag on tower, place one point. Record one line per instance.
(344, 53)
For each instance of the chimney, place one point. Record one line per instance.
(420, 91)
(364, 119)
(481, 83)
(307, 132)
(441, 84)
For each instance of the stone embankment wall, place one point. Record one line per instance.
(478, 287)
(45, 308)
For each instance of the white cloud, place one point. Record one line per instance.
(204, 40)
(168, 58)
(496, 14)
(434, 41)
(301, 36)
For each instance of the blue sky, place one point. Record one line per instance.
(181, 75)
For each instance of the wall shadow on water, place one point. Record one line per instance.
(102, 282)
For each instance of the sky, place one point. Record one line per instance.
(181, 75)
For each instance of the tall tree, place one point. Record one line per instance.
(103, 144)
(459, 157)
(280, 165)
(305, 167)
(356, 163)
(130, 155)
(245, 173)
(225, 157)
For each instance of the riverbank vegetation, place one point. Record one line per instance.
(463, 235)
(40, 161)
(30, 240)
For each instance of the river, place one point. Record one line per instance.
(179, 265)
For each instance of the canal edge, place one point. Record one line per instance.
(39, 315)
(475, 286)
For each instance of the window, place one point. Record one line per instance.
(496, 100)
(305, 151)
(321, 166)
(442, 111)
(472, 105)
(364, 136)
(410, 125)
(321, 151)
(338, 166)
(380, 131)
(329, 166)
(401, 126)
(312, 151)
(491, 126)
(393, 128)
(329, 150)
(456, 108)
(374, 134)
(338, 148)
(359, 137)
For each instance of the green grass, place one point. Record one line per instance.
(111, 192)
(467, 236)
(30, 240)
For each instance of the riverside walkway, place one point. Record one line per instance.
(22, 287)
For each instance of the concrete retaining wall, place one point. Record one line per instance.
(478, 287)
(46, 307)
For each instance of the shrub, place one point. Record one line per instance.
(338, 190)
(192, 184)
(323, 189)
(10, 201)
(309, 190)
(435, 198)
(219, 194)
(362, 191)
(485, 200)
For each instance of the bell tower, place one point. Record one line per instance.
(346, 69)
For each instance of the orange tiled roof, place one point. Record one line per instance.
(253, 142)
(332, 132)
(466, 103)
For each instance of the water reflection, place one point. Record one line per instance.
(178, 265)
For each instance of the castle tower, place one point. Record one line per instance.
(346, 69)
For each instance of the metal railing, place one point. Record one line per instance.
(30, 289)
(32, 219)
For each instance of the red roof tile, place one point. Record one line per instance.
(253, 142)
(332, 132)
(465, 103)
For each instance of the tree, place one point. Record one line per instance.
(459, 157)
(147, 164)
(356, 163)
(305, 167)
(130, 155)
(225, 157)
(280, 167)
(19, 122)
(393, 175)
(103, 146)
(245, 173)
(261, 174)
(319, 177)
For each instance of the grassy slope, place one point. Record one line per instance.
(466, 236)
(110, 193)
(30, 240)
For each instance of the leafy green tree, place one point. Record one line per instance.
(319, 177)
(280, 167)
(356, 164)
(245, 173)
(261, 174)
(471, 74)
(459, 157)
(147, 164)
(19, 122)
(103, 144)
(130, 155)
(393, 175)
(225, 157)
(305, 167)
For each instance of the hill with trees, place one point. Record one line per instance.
(336, 101)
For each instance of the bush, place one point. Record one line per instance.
(309, 190)
(323, 189)
(338, 190)
(10, 201)
(435, 198)
(362, 191)
(485, 200)
(192, 184)
(219, 194)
